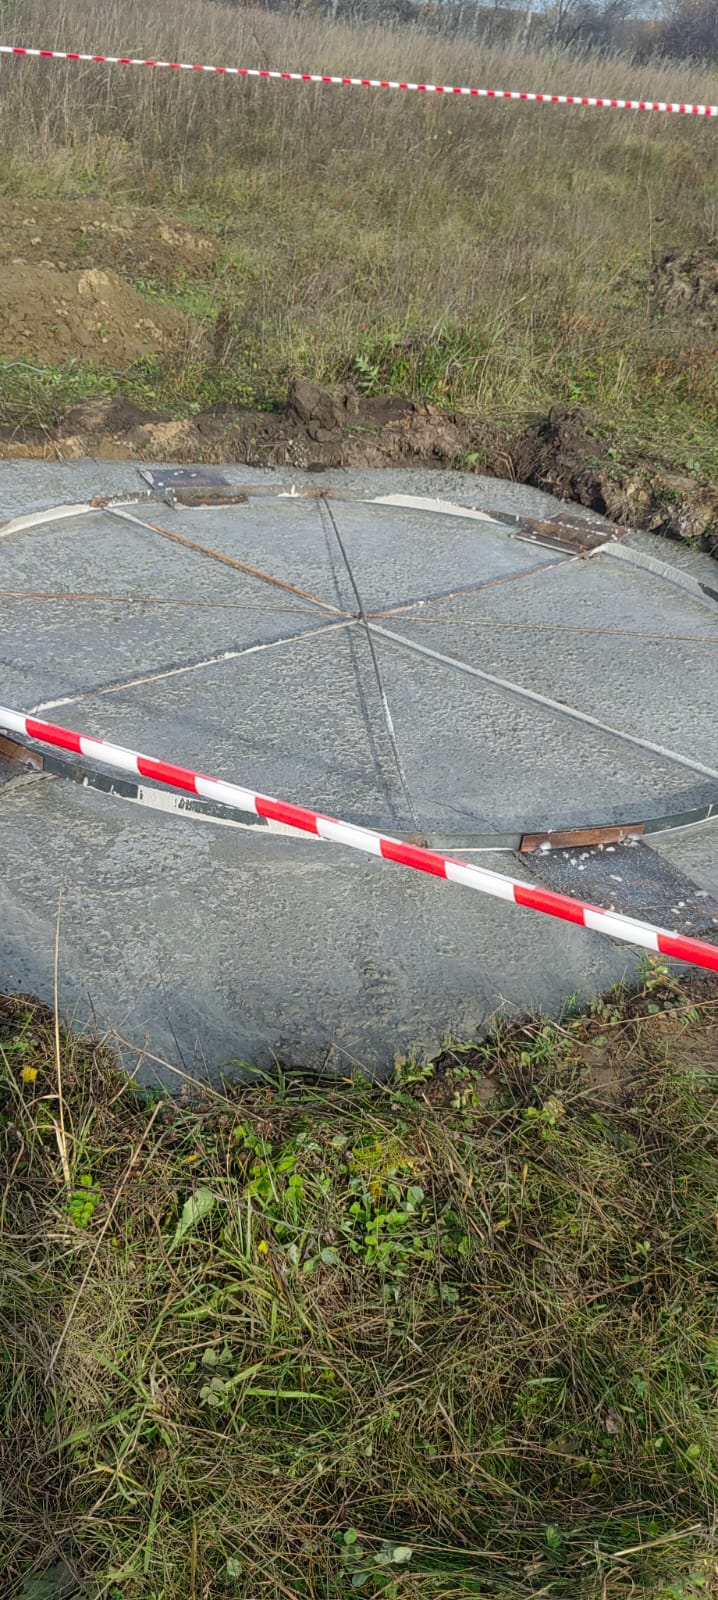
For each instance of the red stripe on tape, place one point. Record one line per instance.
(673, 944)
(683, 948)
(369, 83)
(50, 733)
(282, 811)
(411, 855)
(165, 772)
(556, 905)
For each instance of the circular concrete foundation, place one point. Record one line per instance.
(438, 656)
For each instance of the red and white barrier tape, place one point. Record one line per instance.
(695, 951)
(603, 102)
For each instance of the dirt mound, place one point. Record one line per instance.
(319, 428)
(50, 316)
(687, 285)
(563, 453)
(80, 233)
(566, 454)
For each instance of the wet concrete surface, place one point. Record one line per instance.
(204, 946)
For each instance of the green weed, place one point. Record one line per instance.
(339, 1337)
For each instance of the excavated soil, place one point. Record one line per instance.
(71, 234)
(64, 267)
(49, 317)
(68, 271)
(319, 428)
(563, 453)
(566, 454)
(686, 286)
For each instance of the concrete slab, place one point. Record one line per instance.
(209, 948)
(207, 943)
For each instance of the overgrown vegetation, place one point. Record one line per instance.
(451, 1337)
(497, 259)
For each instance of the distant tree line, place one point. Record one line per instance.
(683, 30)
(690, 31)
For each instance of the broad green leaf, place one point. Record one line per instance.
(57, 1583)
(194, 1210)
(41, 1587)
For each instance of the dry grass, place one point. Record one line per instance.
(489, 256)
(454, 1338)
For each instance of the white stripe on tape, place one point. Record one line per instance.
(228, 794)
(621, 927)
(113, 755)
(347, 833)
(477, 878)
(603, 102)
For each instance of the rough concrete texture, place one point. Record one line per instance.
(205, 946)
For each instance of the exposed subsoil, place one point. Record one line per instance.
(71, 234)
(92, 316)
(562, 453)
(687, 286)
(65, 294)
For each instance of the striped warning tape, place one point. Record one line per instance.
(612, 923)
(604, 102)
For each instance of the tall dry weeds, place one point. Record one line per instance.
(494, 256)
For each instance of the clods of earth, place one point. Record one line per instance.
(563, 453)
(72, 275)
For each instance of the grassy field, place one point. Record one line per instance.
(458, 1336)
(453, 1337)
(490, 257)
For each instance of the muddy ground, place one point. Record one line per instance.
(73, 282)
(562, 453)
